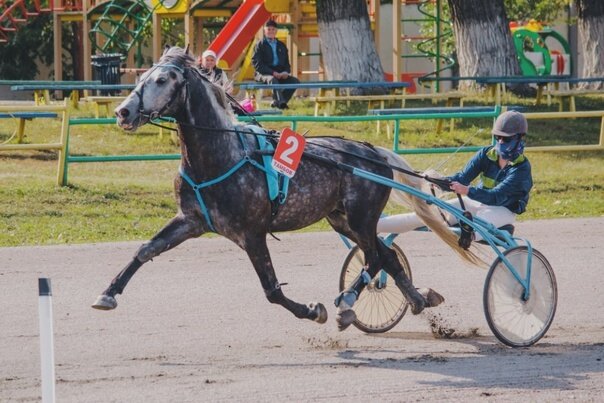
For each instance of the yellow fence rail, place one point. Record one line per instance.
(63, 111)
(569, 115)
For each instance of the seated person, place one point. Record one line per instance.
(505, 180)
(207, 65)
(271, 62)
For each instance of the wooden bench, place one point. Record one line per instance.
(569, 94)
(334, 87)
(330, 101)
(496, 85)
(42, 96)
(74, 88)
(103, 101)
(23, 116)
(440, 110)
(546, 85)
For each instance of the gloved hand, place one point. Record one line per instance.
(435, 178)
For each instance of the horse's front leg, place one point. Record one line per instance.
(258, 253)
(178, 230)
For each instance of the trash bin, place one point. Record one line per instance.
(106, 68)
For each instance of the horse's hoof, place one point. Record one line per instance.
(432, 297)
(320, 310)
(105, 303)
(418, 306)
(345, 319)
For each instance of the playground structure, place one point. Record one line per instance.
(118, 27)
(535, 56)
(410, 45)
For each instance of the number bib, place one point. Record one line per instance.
(288, 152)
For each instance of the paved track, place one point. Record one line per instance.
(194, 326)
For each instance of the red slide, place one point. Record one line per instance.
(240, 30)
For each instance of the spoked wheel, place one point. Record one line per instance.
(380, 306)
(516, 322)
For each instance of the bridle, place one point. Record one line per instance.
(157, 114)
(154, 116)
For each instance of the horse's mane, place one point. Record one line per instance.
(181, 57)
(178, 56)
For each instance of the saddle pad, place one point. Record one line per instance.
(277, 184)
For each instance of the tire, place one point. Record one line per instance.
(515, 322)
(378, 309)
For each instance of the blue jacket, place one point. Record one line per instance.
(508, 187)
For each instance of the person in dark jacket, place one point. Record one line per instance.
(504, 185)
(271, 62)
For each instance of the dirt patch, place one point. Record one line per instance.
(326, 343)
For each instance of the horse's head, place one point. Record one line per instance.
(161, 91)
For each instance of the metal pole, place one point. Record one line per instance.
(438, 43)
(47, 359)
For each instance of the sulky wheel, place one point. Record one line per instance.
(380, 306)
(516, 322)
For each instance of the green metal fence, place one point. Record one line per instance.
(294, 121)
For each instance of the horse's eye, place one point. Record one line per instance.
(161, 80)
(172, 75)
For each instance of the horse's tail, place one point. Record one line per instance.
(426, 212)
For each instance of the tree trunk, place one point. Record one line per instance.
(482, 39)
(591, 38)
(347, 43)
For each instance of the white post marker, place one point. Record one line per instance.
(47, 358)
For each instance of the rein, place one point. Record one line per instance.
(155, 116)
(442, 183)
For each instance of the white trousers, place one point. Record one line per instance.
(496, 215)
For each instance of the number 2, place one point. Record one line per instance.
(293, 147)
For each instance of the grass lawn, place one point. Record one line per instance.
(133, 200)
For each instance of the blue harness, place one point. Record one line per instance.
(277, 183)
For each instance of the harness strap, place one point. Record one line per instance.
(198, 186)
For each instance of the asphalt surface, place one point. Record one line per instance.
(194, 325)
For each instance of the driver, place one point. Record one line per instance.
(503, 189)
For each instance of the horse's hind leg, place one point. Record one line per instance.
(424, 297)
(178, 230)
(378, 256)
(261, 260)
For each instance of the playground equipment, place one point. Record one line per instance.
(241, 28)
(121, 24)
(18, 12)
(428, 47)
(534, 54)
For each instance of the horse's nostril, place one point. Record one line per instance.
(124, 112)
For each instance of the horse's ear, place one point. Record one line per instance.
(187, 49)
(166, 48)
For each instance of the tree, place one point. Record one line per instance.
(347, 43)
(483, 39)
(591, 37)
(546, 11)
(31, 43)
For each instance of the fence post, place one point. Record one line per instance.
(62, 168)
